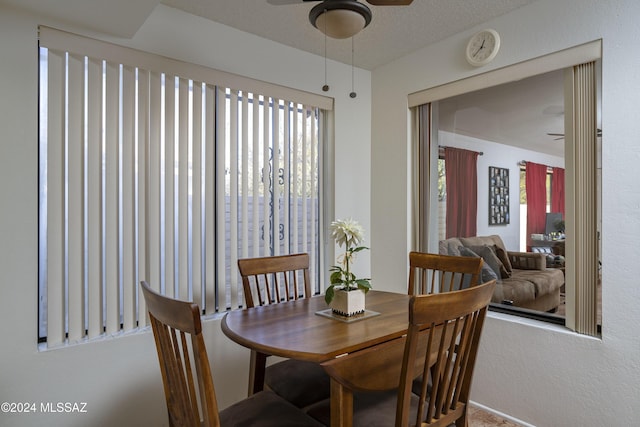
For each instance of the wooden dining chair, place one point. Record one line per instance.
(443, 333)
(434, 273)
(186, 374)
(460, 315)
(274, 280)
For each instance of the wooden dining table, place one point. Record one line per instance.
(304, 329)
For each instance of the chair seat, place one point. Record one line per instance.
(375, 409)
(299, 382)
(265, 409)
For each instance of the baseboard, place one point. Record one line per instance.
(500, 414)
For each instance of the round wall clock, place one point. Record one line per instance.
(483, 46)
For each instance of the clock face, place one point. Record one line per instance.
(483, 47)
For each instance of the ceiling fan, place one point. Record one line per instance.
(341, 19)
(561, 135)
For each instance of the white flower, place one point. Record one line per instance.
(347, 232)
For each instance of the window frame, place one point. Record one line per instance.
(300, 113)
(425, 143)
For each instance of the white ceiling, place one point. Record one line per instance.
(519, 114)
(394, 32)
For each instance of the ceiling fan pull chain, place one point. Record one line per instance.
(353, 92)
(325, 88)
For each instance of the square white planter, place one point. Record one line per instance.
(348, 303)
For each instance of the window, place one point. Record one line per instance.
(523, 201)
(578, 115)
(152, 169)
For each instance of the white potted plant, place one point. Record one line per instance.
(346, 293)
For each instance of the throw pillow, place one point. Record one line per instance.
(502, 255)
(487, 272)
(490, 257)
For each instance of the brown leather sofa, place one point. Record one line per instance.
(523, 277)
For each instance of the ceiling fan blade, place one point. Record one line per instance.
(287, 2)
(373, 2)
(390, 2)
(561, 135)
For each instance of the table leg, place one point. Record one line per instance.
(341, 405)
(257, 366)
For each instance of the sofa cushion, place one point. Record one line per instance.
(514, 291)
(487, 272)
(449, 246)
(492, 240)
(544, 281)
(526, 287)
(489, 256)
(504, 258)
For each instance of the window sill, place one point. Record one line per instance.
(546, 321)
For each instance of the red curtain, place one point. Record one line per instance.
(536, 189)
(461, 173)
(557, 191)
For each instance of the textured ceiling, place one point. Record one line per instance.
(394, 30)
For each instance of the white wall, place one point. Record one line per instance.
(540, 375)
(502, 156)
(118, 378)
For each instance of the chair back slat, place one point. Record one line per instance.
(275, 279)
(452, 324)
(434, 273)
(186, 374)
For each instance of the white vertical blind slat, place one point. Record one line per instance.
(296, 196)
(305, 177)
(286, 152)
(197, 220)
(275, 183)
(255, 170)
(94, 197)
(112, 178)
(128, 195)
(154, 206)
(75, 196)
(142, 187)
(315, 143)
(169, 185)
(209, 201)
(221, 111)
(55, 199)
(233, 196)
(183, 190)
(245, 175)
(266, 177)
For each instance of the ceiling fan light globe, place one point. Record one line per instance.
(340, 19)
(340, 23)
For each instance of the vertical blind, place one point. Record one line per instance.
(582, 200)
(158, 170)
